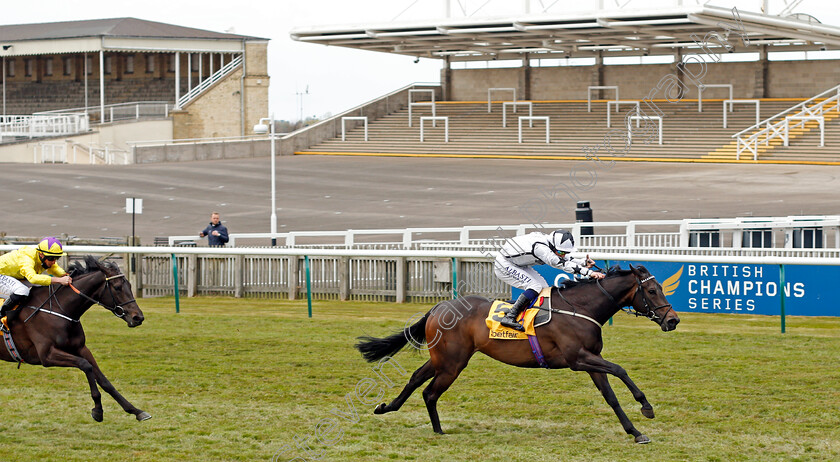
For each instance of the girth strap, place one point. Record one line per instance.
(537, 351)
(10, 346)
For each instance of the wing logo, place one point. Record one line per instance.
(669, 286)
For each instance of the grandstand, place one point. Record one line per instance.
(687, 134)
(557, 62)
(192, 83)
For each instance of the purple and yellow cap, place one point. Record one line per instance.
(51, 246)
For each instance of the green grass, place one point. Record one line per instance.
(239, 379)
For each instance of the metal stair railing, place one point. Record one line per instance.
(209, 81)
(778, 129)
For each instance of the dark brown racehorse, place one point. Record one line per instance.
(455, 329)
(47, 331)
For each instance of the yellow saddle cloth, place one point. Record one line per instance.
(500, 308)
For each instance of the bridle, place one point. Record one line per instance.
(116, 309)
(651, 312)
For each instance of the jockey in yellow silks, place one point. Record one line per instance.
(29, 262)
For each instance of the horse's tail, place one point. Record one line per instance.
(374, 349)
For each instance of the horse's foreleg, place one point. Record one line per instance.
(595, 363)
(603, 385)
(420, 376)
(109, 388)
(59, 358)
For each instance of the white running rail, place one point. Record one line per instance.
(120, 111)
(35, 126)
(771, 130)
(209, 81)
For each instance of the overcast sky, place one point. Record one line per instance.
(337, 78)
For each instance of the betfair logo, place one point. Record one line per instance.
(669, 286)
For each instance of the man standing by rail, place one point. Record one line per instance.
(217, 234)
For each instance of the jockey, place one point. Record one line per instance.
(514, 264)
(28, 262)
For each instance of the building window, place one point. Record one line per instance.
(48, 66)
(68, 65)
(10, 68)
(109, 64)
(150, 63)
(129, 64)
(89, 64)
(195, 59)
(30, 67)
(172, 63)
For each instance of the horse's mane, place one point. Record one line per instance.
(91, 265)
(614, 271)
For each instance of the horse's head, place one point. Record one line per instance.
(650, 301)
(113, 291)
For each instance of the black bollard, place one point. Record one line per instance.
(583, 214)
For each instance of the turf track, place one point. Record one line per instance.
(238, 380)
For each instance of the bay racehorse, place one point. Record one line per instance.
(455, 329)
(46, 329)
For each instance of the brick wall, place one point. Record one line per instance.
(786, 79)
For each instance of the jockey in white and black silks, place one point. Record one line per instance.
(29, 262)
(519, 254)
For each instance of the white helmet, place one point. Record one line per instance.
(563, 241)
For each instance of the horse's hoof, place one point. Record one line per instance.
(380, 409)
(642, 439)
(96, 414)
(647, 412)
(143, 416)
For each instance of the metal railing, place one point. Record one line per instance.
(43, 125)
(209, 81)
(778, 129)
(391, 275)
(121, 111)
(651, 234)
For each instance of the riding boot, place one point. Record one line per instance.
(522, 303)
(11, 303)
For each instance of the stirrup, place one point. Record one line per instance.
(512, 324)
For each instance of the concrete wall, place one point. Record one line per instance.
(785, 79)
(791, 79)
(116, 135)
(202, 151)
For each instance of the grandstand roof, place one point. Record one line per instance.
(115, 34)
(626, 32)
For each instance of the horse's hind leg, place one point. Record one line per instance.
(109, 388)
(603, 385)
(59, 358)
(420, 376)
(444, 377)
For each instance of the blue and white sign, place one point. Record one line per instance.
(737, 289)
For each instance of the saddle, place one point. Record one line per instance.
(531, 318)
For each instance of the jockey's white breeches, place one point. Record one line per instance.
(521, 277)
(10, 285)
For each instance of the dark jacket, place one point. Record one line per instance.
(216, 241)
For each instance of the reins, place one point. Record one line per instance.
(651, 312)
(117, 310)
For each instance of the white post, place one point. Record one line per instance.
(273, 187)
(189, 72)
(4, 85)
(101, 86)
(86, 83)
(177, 79)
